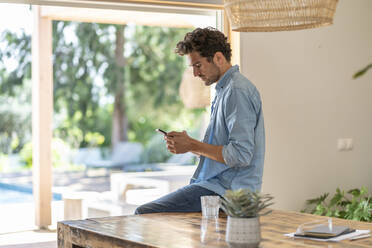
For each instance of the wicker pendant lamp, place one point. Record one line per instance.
(279, 15)
(193, 92)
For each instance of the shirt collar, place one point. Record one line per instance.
(225, 78)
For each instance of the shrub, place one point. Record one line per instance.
(60, 153)
(355, 204)
(156, 150)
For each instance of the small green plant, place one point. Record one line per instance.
(243, 203)
(156, 150)
(355, 204)
(94, 139)
(60, 150)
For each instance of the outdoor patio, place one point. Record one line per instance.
(312, 105)
(92, 193)
(17, 226)
(18, 214)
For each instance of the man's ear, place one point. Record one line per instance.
(219, 59)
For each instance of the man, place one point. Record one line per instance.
(232, 152)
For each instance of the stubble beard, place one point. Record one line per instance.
(214, 78)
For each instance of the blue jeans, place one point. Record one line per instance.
(185, 199)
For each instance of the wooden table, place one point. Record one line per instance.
(187, 230)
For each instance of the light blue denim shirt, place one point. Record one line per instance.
(237, 124)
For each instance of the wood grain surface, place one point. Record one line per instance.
(187, 230)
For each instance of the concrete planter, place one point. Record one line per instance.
(243, 232)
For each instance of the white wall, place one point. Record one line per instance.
(310, 101)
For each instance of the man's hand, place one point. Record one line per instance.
(178, 142)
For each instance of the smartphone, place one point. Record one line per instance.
(161, 131)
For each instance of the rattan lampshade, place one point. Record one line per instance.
(193, 92)
(279, 15)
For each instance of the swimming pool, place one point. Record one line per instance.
(10, 193)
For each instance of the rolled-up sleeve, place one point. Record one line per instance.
(241, 119)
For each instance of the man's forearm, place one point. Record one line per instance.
(207, 150)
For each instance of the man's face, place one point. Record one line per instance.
(207, 71)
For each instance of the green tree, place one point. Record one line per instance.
(109, 79)
(15, 88)
(77, 62)
(155, 74)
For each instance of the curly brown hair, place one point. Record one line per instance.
(205, 41)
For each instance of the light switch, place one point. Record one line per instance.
(341, 144)
(345, 144)
(349, 144)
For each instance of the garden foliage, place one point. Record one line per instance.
(355, 204)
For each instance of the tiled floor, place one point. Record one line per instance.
(29, 239)
(17, 228)
(21, 217)
(50, 244)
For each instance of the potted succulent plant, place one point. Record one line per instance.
(243, 208)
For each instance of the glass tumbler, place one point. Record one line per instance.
(210, 206)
